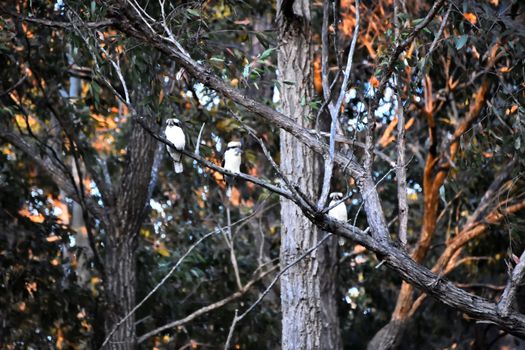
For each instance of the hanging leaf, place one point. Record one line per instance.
(246, 71)
(461, 41)
(193, 12)
(266, 53)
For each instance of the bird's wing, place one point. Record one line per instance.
(176, 156)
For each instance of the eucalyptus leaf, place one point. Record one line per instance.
(461, 41)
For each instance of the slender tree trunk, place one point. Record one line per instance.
(309, 310)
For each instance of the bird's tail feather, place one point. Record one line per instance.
(178, 167)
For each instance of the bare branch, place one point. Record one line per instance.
(228, 237)
(15, 85)
(207, 308)
(401, 173)
(57, 24)
(490, 194)
(508, 298)
(298, 194)
(198, 144)
(335, 107)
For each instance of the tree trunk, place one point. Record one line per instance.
(120, 292)
(128, 215)
(309, 309)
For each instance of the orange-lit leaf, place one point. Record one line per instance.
(511, 110)
(38, 218)
(317, 75)
(409, 123)
(469, 16)
(374, 81)
(22, 306)
(53, 238)
(31, 287)
(236, 197)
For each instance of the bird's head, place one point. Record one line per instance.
(233, 144)
(172, 122)
(336, 196)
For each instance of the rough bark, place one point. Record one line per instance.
(309, 310)
(120, 292)
(127, 219)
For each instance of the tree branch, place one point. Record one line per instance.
(58, 24)
(508, 298)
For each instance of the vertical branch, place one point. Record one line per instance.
(328, 166)
(229, 241)
(324, 52)
(232, 329)
(335, 107)
(401, 173)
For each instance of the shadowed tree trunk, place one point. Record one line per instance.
(309, 311)
(120, 258)
(120, 291)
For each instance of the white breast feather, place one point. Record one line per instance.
(338, 212)
(232, 161)
(175, 135)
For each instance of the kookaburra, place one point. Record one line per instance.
(339, 211)
(175, 135)
(232, 162)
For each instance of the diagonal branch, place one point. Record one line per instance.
(508, 298)
(208, 308)
(131, 25)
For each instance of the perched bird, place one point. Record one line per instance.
(175, 135)
(232, 162)
(339, 211)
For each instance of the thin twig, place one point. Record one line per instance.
(434, 43)
(232, 328)
(198, 145)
